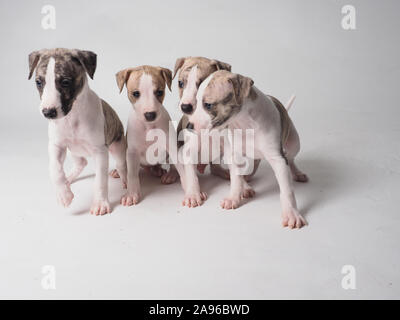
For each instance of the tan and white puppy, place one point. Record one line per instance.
(230, 101)
(146, 91)
(78, 121)
(191, 73)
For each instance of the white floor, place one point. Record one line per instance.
(346, 112)
(159, 249)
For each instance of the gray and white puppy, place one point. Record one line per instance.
(78, 121)
(231, 101)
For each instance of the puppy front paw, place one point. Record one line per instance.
(217, 170)
(248, 193)
(300, 177)
(130, 199)
(65, 196)
(169, 177)
(194, 200)
(100, 207)
(293, 219)
(230, 203)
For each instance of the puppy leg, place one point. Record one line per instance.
(290, 214)
(193, 196)
(156, 170)
(79, 164)
(100, 203)
(57, 175)
(170, 176)
(292, 148)
(218, 170)
(256, 165)
(239, 190)
(133, 193)
(118, 152)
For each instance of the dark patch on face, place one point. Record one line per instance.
(69, 78)
(221, 111)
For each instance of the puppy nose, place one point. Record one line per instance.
(187, 108)
(150, 116)
(50, 113)
(190, 126)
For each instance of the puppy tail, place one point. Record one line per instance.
(290, 102)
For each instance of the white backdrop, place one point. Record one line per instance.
(346, 112)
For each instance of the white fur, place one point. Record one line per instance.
(190, 90)
(50, 96)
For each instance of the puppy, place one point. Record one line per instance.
(231, 101)
(146, 91)
(78, 121)
(192, 72)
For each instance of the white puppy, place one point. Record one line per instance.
(78, 121)
(227, 100)
(146, 91)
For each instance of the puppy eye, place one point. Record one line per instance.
(39, 83)
(159, 93)
(136, 94)
(180, 84)
(65, 83)
(208, 106)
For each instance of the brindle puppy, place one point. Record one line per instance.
(78, 121)
(231, 101)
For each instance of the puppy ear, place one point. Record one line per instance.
(178, 64)
(34, 58)
(242, 86)
(88, 60)
(122, 77)
(167, 75)
(222, 65)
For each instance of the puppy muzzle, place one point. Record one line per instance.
(187, 108)
(50, 113)
(150, 116)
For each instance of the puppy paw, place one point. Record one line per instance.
(114, 173)
(194, 200)
(201, 168)
(65, 196)
(230, 203)
(156, 170)
(293, 219)
(169, 177)
(217, 170)
(300, 177)
(248, 193)
(130, 199)
(100, 207)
